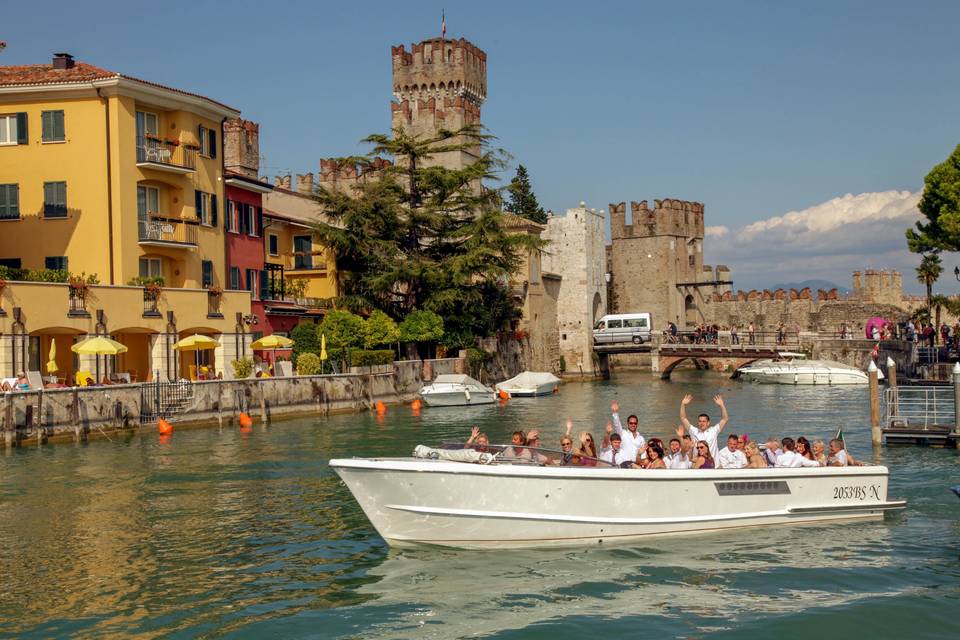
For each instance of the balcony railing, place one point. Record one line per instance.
(167, 231)
(165, 155)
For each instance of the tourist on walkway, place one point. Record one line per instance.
(703, 431)
(734, 338)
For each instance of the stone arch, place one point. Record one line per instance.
(597, 301)
(690, 311)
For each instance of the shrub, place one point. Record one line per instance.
(242, 368)
(379, 329)
(421, 326)
(308, 364)
(371, 358)
(342, 329)
(305, 339)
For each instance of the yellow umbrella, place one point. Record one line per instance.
(196, 343)
(52, 357)
(323, 350)
(98, 346)
(272, 342)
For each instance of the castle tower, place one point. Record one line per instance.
(439, 84)
(241, 147)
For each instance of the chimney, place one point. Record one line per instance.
(62, 61)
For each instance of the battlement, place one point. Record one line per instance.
(440, 68)
(241, 146)
(880, 286)
(667, 217)
(344, 174)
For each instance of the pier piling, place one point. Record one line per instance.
(892, 383)
(876, 435)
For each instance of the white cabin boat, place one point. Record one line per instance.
(454, 390)
(530, 383)
(474, 500)
(794, 368)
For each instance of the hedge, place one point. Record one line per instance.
(369, 358)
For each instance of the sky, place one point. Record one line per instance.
(805, 130)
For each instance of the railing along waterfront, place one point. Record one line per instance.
(165, 153)
(742, 338)
(158, 229)
(915, 406)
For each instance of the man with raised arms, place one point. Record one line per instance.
(631, 441)
(703, 431)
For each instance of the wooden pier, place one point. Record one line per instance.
(918, 414)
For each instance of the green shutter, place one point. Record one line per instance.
(260, 221)
(264, 285)
(213, 209)
(59, 132)
(213, 143)
(46, 125)
(198, 203)
(22, 128)
(207, 273)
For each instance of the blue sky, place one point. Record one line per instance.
(754, 108)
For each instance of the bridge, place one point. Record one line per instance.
(666, 356)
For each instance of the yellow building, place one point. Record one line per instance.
(105, 174)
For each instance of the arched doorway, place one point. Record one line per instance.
(597, 311)
(690, 312)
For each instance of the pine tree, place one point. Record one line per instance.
(523, 201)
(415, 237)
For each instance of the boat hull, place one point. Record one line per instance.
(804, 377)
(503, 506)
(529, 392)
(458, 398)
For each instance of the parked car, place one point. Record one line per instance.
(623, 327)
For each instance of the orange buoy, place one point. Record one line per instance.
(381, 408)
(164, 427)
(504, 395)
(245, 420)
(415, 405)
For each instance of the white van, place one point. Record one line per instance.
(623, 327)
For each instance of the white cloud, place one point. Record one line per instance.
(826, 241)
(717, 232)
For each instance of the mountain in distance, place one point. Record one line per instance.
(826, 285)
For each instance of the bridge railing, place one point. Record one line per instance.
(742, 338)
(916, 406)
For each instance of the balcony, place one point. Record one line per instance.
(165, 156)
(166, 232)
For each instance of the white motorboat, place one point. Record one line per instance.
(454, 390)
(468, 499)
(530, 383)
(794, 368)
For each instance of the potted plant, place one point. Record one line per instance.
(214, 291)
(152, 290)
(151, 136)
(78, 287)
(191, 146)
(172, 143)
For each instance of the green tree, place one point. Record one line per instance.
(523, 201)
(379, 330)
(421, 326)
(343, 331)
(938, 303)
(928, 272)
(940, 205)
(414, 236)
(305, 339)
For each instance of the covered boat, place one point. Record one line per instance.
(494, 500)
(452, 390)
(530, 383)
(794, 368)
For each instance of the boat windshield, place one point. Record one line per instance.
(523, 455)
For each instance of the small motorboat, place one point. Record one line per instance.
(455, 390)
(530, 383)
(794, 368)
(500, 496)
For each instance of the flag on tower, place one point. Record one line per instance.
(443, 23)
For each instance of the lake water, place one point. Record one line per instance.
(227, 534)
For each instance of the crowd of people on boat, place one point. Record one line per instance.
(696, 446)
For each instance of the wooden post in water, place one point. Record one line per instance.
(10, 427)
(956, 402)
(892, 384)
(876, 435)
(263, 405)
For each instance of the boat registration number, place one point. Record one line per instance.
(858, 492)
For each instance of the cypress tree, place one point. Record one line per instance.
(523, 201)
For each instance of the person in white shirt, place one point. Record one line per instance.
(676, 459)
(839, 457)
(771, 451)
(631, 440)
(703, 432)
(612, 453)
(730, 457)
(792, 459)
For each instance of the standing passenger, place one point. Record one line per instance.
(703, 431)
(631, 441)
(613, 454)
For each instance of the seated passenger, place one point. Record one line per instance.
(612, 454)
(533, 442)
(676, 459)
(839, 457)
(587, 452)
(703, 459)
(772, 451)
(569, 457)
(655, 456)
(517, 450)
(755, 459)
(804, 448)
(818, 453)
(730, 457)
(791, 459)
(477, 440)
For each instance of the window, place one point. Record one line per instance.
(233, 219)
(207, 267)
(148, 201)
(614, 324)
(11, 263)
(235, 278)
(9, 201)
(54, 199)
(253, 221)
(52, 124)
(208, 141)
(13, 128)
(273, 244)
(150, 268)
(252, 286)
(206, 206)
(55, 262)
(302, 253)
(690, 260)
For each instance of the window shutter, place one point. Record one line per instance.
(264, 285)
(201, 138)
(59, 130)
(207, 273)
(213, 209)
(226, 215)
(213, 143)
(198, 203)
(260, 221)
(22, 128)
(46, 125)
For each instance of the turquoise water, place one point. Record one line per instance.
(225, 534)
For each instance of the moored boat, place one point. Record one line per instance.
(796, 369)
(452, 390)
(530, 383)
(475, 500)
